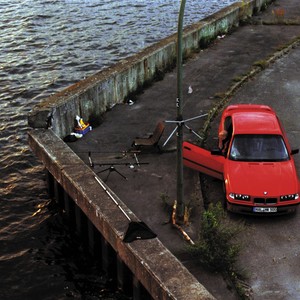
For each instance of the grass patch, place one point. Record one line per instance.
(261, 63)
(219, 95)
(238, 78)
(217, 247)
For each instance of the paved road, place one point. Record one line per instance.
(271, 245)
(271, 254)
(271, 251)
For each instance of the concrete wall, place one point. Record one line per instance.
(163, 281)
(91, 97)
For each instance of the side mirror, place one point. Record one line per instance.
(216, 152)
(294, 151)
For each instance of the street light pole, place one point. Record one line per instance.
(180, 205)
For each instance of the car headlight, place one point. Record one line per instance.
(239, 197)
(289, 197)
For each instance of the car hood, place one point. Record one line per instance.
(258, 178)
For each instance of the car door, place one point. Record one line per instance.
(202, 160)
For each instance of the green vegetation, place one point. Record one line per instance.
(217, 247)
(261, 63)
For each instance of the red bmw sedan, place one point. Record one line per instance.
(254, 160)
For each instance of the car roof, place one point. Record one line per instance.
(253, 119)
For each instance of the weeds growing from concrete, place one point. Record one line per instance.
(218, 248)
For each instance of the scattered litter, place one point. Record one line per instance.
(80, 130)
(190, 90)
(77, 135)
(156, 175)
(173, 218)
(73, 137)
(221, 36)
(82, 127)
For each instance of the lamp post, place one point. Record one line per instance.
(180, 204)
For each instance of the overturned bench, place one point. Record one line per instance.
(152, 140)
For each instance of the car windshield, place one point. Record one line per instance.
(258, 147)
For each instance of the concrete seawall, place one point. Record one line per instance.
(74, 181)
(90, 98)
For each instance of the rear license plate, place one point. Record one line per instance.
(265, 209)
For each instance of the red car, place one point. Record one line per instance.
(254, 159)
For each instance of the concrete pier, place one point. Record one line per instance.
(152, 268)
(72, 181)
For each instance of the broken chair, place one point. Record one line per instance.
(152, 140)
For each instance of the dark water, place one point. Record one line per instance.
(46, 45)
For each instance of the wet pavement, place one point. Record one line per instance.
(146, 180)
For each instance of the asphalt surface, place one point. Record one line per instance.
(270, 255)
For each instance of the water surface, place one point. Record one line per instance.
(46, 45)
